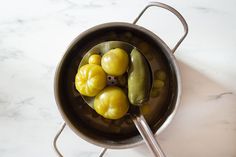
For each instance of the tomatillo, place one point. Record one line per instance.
(95, 59)
(90, 79)
(111, 103)
(115, 62)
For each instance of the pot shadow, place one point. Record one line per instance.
(198, 115)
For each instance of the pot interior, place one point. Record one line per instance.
(84, 120)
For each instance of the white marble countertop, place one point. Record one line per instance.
(35, 34)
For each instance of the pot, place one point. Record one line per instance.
(85, 122)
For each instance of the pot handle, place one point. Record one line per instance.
(175, 12)
(56, 138)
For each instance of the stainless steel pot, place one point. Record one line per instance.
(71, 105)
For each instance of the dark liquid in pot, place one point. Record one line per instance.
(84, 118)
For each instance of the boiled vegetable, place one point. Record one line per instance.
(115, 62)
(111, 103)
(90, 79)
(95, 59)
(139, 79)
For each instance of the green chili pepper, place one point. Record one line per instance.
(139, 79)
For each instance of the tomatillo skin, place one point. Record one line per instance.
(139, 79)
(111, 103)
(90, 80)
(115, 62)
(95, 59)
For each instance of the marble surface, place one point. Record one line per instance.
(35, 34)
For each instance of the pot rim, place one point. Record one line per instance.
(166, 50)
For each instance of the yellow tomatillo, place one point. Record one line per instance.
(115, 62)
(90, 79)
(95, 59)
(111, 103)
